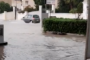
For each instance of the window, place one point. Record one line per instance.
(30, 16)
(26, 2)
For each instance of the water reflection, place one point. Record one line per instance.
(1, 52)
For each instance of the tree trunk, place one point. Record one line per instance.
(71, 4)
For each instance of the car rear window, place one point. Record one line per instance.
(35, 16)
(30, 16)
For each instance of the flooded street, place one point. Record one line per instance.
(27, 42)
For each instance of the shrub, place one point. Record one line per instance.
(57, 10)
(74, 10)
(80, 8)
(29, 9)
(21, 11)
(65, 25)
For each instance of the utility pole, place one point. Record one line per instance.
(87, 50)
(15, 9)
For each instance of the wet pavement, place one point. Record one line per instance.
(27, 42)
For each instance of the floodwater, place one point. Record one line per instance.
(27, 42)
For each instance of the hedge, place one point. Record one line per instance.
(65, 25)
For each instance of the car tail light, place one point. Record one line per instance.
(33, 18)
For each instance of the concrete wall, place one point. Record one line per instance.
(21, 15)
(7, 16)
(65, 15)
(2, 16)
(10, 16)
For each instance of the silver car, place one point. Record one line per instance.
(29, 17)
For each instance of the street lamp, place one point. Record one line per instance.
(16, 4)
(16, 8)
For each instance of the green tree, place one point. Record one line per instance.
(80, 8)
(63, 7)
(70, 2)
(73, 3)
(74, 10)
(5, 7)
(66, 6)
(77, 10)
(40, 2)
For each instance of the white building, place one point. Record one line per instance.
(28, 2)
(21, 4)
(85, 10)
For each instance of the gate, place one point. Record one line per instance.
(44, 14)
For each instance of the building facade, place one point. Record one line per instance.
(56, 3)
(21, 4)
(28, 2)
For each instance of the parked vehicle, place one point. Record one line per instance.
(36, 19)
(30, 17)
